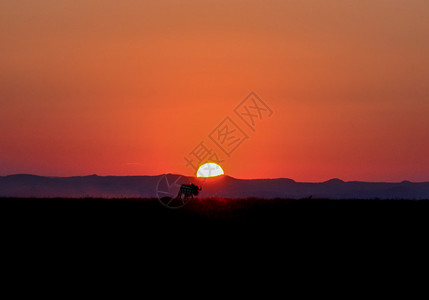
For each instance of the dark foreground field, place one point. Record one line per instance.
(214, 213)
(116, 228)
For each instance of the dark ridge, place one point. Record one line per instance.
(334, 180)
(24, 176)
(33, 186)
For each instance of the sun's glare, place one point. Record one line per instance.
(209, 170)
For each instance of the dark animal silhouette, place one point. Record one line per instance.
(188, 190)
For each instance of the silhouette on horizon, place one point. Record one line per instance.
(188, 190)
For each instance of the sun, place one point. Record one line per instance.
(209, 170)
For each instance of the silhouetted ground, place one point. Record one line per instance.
(245, 230)
(214, 212)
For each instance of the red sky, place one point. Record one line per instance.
(132, 87)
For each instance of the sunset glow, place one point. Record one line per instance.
(133, 87)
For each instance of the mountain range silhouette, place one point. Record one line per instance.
(25, 185)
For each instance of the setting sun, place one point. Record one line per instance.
(209, 170)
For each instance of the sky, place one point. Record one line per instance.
(135, 87)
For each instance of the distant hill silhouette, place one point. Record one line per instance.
(23, 185)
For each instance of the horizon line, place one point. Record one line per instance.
(224, 175)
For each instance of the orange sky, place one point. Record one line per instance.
(131, 87)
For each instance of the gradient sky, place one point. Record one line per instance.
(131, 87)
